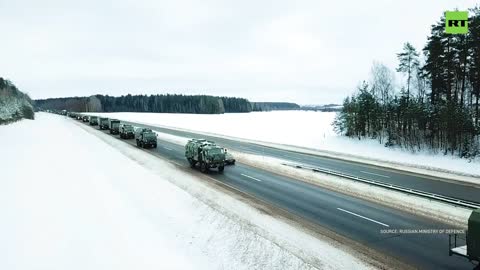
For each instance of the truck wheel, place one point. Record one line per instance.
(138, 143)
(155, 146)
(192, 162)
(203, 167)
(221, 168)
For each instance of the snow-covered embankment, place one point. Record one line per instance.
(68, 200)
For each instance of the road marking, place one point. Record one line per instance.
(251, 177)
(375, 174)
(168, 148)
(360, 216)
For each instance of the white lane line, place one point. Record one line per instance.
(375, 174)
(168, 148)
(369, 219)
(251, 177)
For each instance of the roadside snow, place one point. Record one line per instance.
(70, 201)
(299, 128)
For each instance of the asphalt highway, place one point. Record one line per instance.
(357, 219)
(400, 178)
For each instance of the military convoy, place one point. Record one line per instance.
(206, 154)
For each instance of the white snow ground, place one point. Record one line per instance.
(68, 200)
(299, 128)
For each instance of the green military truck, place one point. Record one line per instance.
(126, 131)
(93, 120)
(471, 248)
(85, 118)
(206, 154)
(103, 123)
(113, 126)
(145, 137)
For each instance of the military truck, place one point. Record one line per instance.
(103, 123)
(145, 137)
(93, 120)
(126, 131)
(471, 249)
(79, 116)
(113, 125)
(85, 118)
(206, 154)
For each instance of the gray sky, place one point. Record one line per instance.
(309, 52)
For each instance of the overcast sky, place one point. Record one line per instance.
(309, 52)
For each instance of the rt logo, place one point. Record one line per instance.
(456, 22)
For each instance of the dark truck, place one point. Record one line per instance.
(126, 131)
(114, 125)
(85, 118)
(145, 138)
(93, 121)
(206, 154)
(103, 123)
(471, 241)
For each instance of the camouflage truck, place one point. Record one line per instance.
(470, 242)
(85, 118)
(93, 121)
(126, 131)
(145, 137)
(114, 125)
(206, 154)
(103, 123)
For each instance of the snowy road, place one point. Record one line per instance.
(411, 180)
(359, 220)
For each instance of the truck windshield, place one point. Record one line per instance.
(128, 128)
(149, 135)
(215, 151)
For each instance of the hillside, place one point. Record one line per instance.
(14, 105)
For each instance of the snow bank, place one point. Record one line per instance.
(70, 201)
(303, 129)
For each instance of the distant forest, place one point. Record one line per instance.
(14, 105)
(274, 106)
(199, 104)
(438, 106)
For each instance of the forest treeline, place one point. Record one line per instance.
(201, 104)
(274, 106)
(437, 108)
(14, 104)
(142, 103)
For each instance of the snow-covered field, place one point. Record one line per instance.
(69, 200)
(298, 128)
